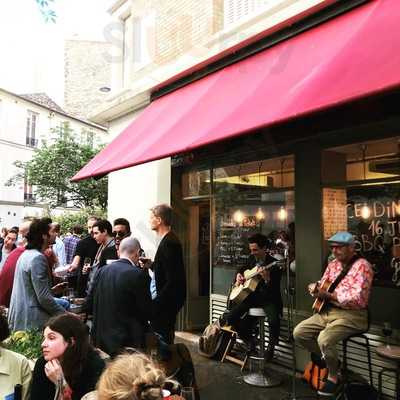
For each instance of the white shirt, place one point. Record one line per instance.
(59, 251)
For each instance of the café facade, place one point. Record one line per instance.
(297, 133)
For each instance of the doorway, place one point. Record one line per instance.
(198, 265)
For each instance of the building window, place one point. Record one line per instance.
(31, 123)
(143, 40)
(361, 194)
(240, 10)
(139, 44)
(127, 46)
(29, 197)
(1, 108)
(256, 197)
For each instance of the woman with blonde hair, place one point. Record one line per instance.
(131, 377)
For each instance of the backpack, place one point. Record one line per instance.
(315, 372)
(211, 339)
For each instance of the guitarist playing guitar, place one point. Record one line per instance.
(266, 295)
(340, 308)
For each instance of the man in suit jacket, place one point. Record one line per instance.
(32, 303)
(120, 302)
(169, 274)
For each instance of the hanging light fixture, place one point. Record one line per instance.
(282, 214)
(365, 210)
(238, 216)
(260, 214)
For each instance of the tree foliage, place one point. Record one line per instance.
(52, 167)
(69, 219)
(46, 10)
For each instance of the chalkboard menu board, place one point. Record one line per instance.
(231, 246)
(373, 215)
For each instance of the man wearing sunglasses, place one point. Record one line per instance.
(121, 230)
(345, 295)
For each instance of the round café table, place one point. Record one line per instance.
(390, 353)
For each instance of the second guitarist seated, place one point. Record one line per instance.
(267, 295)
(340, 306)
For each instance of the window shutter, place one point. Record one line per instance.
(237, 10)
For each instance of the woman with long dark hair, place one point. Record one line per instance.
(70, 367)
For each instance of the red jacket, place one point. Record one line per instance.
(7, 276)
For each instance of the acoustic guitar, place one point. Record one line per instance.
(252, 279)
(319, 304)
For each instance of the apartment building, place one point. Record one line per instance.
(25, 121)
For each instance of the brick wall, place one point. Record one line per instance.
(86, 71)
(181, 24)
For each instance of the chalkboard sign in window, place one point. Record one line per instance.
(373, 215)
(236, 221)
(231, 246)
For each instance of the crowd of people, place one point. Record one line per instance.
(124, 298)
(129, 297)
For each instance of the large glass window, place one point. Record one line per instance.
(366, 202)
(248, 198)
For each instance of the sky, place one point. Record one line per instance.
(32, 51)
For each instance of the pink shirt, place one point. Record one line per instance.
(354, 289)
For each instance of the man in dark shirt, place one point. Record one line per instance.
(121, 230)
(85, 249)
(267, 295)
(169, 274)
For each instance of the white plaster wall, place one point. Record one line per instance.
(133, 191)
(8, 154)
(10, 215)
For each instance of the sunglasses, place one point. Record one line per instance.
(121, 234)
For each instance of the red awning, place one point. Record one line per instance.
(352, 56)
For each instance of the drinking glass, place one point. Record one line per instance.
(187, 393)
(387, 332)
(86, 265)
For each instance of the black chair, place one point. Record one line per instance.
(366, 344)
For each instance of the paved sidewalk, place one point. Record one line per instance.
(224, 380)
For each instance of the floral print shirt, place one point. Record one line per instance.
(354, 289)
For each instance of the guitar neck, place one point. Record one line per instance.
(255, 273)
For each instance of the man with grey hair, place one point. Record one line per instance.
(120, 302)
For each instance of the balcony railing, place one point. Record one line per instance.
(31, 142)
(29, 198)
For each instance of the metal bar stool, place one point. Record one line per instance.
(257, 375)
(365, 344)
(391, 353)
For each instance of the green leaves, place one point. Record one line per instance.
(48, 13)
(52, 167)
(27, 343)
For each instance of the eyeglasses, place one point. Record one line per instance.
(120, 234)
